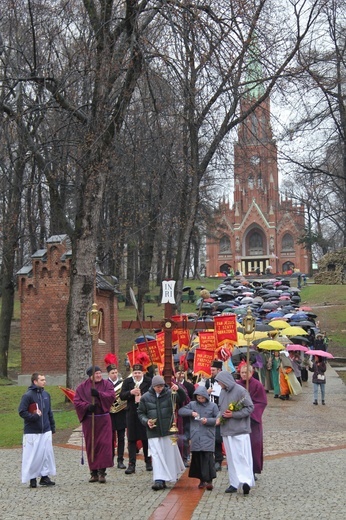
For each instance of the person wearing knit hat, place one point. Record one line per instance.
(132, 390)
(156, 413)
(92, 401)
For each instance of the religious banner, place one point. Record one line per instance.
(160, 338)
(183, 338)
(207, 340)
(153, 348)
(225, 329)
(202, 362)
(131, 356)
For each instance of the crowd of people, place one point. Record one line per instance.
(193, 423)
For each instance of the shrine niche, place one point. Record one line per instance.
(332, 268)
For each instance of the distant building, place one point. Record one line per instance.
(260, 231)
(43, 289)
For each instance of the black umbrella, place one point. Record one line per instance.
(304, 323)
(298, 339)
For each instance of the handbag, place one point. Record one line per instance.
(321, 377)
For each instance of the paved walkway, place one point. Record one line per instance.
(303, 477)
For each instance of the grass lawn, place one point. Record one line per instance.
(11, 431)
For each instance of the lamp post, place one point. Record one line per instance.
(94, 326)
(249, 325)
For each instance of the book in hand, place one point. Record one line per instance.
(33, 408)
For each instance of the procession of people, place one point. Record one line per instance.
(202, 420)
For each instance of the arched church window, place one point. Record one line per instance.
(250, 182)
(225, 245)
(287, 242)
(256, 244)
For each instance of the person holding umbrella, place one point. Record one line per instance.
(318, 367)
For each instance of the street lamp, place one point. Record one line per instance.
(249, 326)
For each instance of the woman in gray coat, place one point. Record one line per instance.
(203, 416)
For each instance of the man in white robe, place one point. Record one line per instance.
(38, 456)
(156, 412)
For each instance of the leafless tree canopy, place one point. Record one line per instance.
(116, 118)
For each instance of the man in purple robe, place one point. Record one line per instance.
(95, 397)
(259, 398)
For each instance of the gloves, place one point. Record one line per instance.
(92, 408)
(94, 392)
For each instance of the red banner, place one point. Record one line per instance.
(160, 338)
(207, 340)
(202, 362)
(153, 349)
(131, 356)
(183, 339)
(226, 329)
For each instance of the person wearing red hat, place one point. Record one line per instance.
(117, 410)
(96, 421)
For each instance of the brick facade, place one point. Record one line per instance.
(261, 229)
(44, 293)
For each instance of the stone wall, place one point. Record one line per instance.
(332, 268)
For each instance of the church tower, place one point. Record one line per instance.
(260, 230)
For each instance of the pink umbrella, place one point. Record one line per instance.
(320, 353)
(304, 308)
(293, 347)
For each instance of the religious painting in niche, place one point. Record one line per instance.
(287, 242)
(225, 245)
(256, 244)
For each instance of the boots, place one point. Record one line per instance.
(315, 402)
(102, 476)
(131, 469)
(148, 465)
(94, 476)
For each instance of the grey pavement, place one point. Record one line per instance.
(303, 476)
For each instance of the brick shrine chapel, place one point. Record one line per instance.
(43, 289)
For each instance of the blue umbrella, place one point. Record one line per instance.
(275, 314)
(141, 339)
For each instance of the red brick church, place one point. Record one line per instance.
(260, 230)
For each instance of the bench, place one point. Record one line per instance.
(188, 298)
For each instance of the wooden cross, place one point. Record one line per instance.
(168, 325)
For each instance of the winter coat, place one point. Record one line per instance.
(318, 369)
(135, 430)
(159, 407)
(239, 423)
(34, 423)
(202, 435)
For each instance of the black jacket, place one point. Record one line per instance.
(34, 423)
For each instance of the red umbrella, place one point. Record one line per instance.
(320, 353)
(68, 392)
(294, 348)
